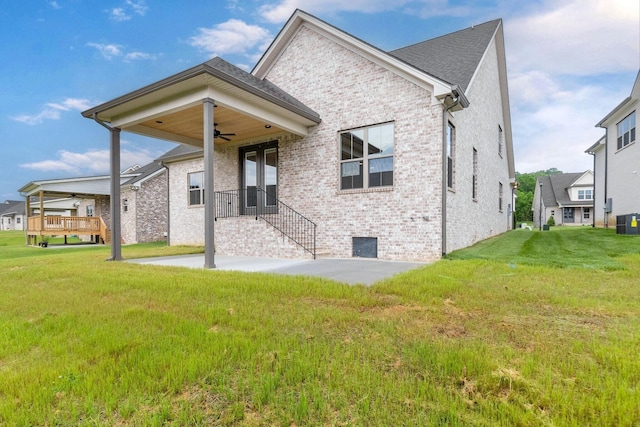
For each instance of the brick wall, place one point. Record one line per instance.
(470, 221)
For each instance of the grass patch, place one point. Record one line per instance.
(562, 247)
(461, 342)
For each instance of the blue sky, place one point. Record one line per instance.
(570, 62)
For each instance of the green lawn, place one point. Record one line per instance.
(529, 328)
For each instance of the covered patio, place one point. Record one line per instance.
(197, 107)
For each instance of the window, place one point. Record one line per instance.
(627, 130)
(474, 190)
(196, 188)
(17, 220)
(500, 196)
(586, 213)
(125, 205)
(500, 140)
(89, 210)
(585, 194)
(451, 145)
(367, 149)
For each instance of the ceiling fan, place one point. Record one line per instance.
(217, 134)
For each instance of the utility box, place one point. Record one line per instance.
(628, 224)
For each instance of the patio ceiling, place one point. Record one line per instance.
(171, 109)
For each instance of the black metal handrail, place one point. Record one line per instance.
(265, 205)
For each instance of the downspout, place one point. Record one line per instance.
(593, 214)
(606, 173)
(445, 122)
(168, 206)
(116, 248)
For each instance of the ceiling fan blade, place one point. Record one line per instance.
(222, 137)
(227, 134)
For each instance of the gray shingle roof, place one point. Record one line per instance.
(11, 206)
(554, 189)
(182, 151)
(453, 57)
(144, 172)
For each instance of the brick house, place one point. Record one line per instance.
(402, 155)
(616, 160)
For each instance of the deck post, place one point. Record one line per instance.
(116, 248)
(209, 194)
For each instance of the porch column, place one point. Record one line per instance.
(116, 248)
(27, 215)
(41, 194)
(209, 194)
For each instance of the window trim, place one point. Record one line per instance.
(190, 190)
(620, 142)
(364, 161)
(451, 152)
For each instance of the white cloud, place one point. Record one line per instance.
(122, 14)
(280, 12)
(91, 162)
(233, 36)
(556, 131)
(578, 37)
(118, 14)
(111, 51)
(140, 56)
(138, 7)
(53, 111)
(108, 51)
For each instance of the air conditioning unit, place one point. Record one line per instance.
(628, 224)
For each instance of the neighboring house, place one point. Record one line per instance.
(143, 204)
(617, 162)
(402, 155)
(567, 197)
(12, 215)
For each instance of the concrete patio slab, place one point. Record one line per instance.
(352, 271)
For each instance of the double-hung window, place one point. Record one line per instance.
(196, 188)
(627, 131)
(366, 157)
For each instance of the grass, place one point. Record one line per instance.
(493, 336)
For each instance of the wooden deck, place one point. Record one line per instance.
(54, 225)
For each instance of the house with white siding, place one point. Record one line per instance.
(565, 197)
(331, 146)
(616, 160)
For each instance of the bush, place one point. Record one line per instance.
(551, 221)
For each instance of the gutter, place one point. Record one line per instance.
(458, 103)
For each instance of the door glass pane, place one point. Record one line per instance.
(250, 178)
(271, 176)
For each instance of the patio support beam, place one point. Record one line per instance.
(209, 194)
(116, 246)
(41, 194)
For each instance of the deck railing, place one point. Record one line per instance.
(265, 205)
(54, 224)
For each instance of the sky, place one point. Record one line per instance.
(569, 63)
